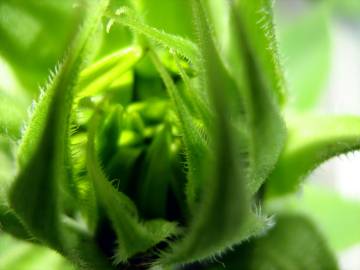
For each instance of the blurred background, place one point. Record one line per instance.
(319, 43)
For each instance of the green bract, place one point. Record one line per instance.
(150, 149)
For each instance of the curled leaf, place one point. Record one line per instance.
(312, 140)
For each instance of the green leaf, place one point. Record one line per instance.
(192, 98)
(223, 215)
(254, 23)
(194, 142)
(156, 176)
(109, 133)
(123, 163)
(307, 63)
(182, 46)
(311, 141)
(133, 237)
(11, 223)
(255, 66)
(20, 255)
(328, 209)
(245, 35)
(44, 148)
(293, 243)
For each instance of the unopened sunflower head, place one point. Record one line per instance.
(161, 154)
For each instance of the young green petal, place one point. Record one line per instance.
(156, 176)
(102, 74)
(133, 237)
